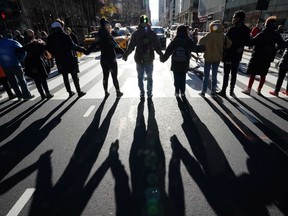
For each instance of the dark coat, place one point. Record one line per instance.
(146, 41)
(180, 41)
(61, 46)
(264, 50)
(34, 65)
(107, 46)
(240, 37)
(283, 63)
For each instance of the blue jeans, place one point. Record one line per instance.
(207, 67)
(141, 69)
(15, 76)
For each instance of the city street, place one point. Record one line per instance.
(90, 156)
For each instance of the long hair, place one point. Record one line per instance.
(270, 21)
(182, 31)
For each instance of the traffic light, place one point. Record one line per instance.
(3, 16)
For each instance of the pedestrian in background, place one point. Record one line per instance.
(146, 41)
(108, 56)
(239, 34)
(10, 61)
(5, 84)
(283, 69)
(60, 45)
(36, 67)
(263, 54)
(19, 37)
(180, 48)
(214, 44)
(72, 35)
(255, 30)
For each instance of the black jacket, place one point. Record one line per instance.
(180, 41)
(146, 41)
(61, 46)
(240, 37)
(107, 45)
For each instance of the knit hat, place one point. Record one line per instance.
(103, 22)
(56, 25)
(143, 19)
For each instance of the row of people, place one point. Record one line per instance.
(60, 45)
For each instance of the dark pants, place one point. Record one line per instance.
(4, 82)
(281, 76)
(107, 67)
(230, 67)
(75, 80)
(179, 82)
(41, 84)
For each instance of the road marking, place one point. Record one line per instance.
(91, 108)
(21, 202)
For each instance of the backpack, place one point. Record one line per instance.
(180, 54)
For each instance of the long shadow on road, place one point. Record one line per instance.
(70, 195)
(15, 150)
(265, 184)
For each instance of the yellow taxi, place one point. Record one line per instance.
(122, 36)
(89, 39)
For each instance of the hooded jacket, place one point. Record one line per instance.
(180, 41)
(214, 42)
(146, 41)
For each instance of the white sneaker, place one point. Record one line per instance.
(246, 91)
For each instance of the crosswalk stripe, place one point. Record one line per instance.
(21, 202)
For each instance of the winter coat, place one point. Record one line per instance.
(34, 65)
(61, 46)
(9, 57)
(107, 46)
(214, 43)
(146, 41)
(264, 50)
(283, 63)
(240, 37)
(179, 41)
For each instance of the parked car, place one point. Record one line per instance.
(161, 35)
(132, 28)
(173, 31)
(122, 36)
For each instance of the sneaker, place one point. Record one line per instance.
(246, 91)
(48, 96)
(221, 93)
(12, 96)
(81, 93)
(285, 92)
(202, 94)
(273, 93)
(119, 94)
(107, 94)
(71, 93)
(232, 94)
(43, 97)
(28, 98)
(176, 94)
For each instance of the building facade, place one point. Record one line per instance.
(256, 11)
